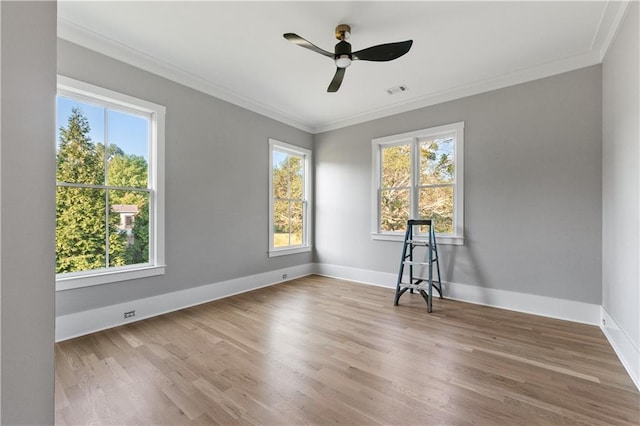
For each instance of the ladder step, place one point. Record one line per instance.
(421, 286)
(427, 280)
(411, 262)
(418, 242)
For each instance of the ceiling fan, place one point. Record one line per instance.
(343, 56)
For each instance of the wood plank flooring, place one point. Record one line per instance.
(324, 351)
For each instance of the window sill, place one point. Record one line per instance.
(106, 276)
(286, 251)
(442, 240)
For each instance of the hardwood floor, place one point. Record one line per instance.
(319, 351)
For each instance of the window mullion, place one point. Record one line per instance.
(289, 199)
(105, 147)
(106, 218)
(106, 184)
(289, 220)
(437, 185)
(378, 206)
(304, 222)
(303, 201)
(415, 179)
(91, 186)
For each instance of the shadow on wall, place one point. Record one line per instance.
(470, 268)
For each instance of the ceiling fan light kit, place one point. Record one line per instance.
(343, 56)
(343, 61)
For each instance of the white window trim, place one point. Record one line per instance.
(308, 208)
(90, 94)
(457, 238)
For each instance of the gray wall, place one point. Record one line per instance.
(216, 183)
(532, 189)
(621, 179)
(28, 211)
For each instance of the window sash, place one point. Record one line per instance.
(107, 214)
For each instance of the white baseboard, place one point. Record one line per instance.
(362, 276)
(85, 322)
(627, 351)
(570, 310)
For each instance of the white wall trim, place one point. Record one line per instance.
(627, 351)
(610, 22)
(569, 310)
(86, 322)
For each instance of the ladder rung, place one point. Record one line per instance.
(427, 280)
(421, 286)
(418, 242)
(411, 262)
(433, 259)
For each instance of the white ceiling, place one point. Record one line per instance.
(235, 50)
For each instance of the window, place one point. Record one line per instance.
(109, 186)
(419, 175)
(128, 221)
(289, 205)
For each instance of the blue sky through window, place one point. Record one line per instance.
(279, 158)
(129, 132)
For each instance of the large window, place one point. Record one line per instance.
(109, 186)
(419, 175)
(289, 205)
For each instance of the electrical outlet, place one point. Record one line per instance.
(604, 322)
(284, 276)
(129, 314)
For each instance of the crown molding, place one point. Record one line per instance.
(481, 86)
(610, 21)
(84, 37)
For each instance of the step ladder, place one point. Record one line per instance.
(426, 242)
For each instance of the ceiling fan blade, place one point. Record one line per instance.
(337, 80)
(383, 52)
(296, 39)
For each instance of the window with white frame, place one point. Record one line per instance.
(289, 199)
(109, 186)
(419, 175)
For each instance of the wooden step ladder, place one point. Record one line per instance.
(412, 241)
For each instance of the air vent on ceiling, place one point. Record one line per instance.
(397, 89)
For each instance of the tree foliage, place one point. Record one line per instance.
(288, 191)
(435, 185)
(81, 212)
(138, 251)
(437, 167)
(396, 187)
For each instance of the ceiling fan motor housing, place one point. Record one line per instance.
(343, 31)
(342, 54)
